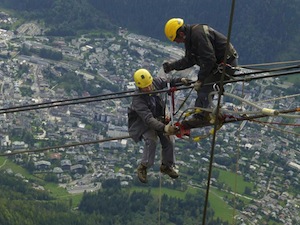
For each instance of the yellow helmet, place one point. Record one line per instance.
(142, 78)
(172, 26)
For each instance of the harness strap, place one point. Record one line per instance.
(172, 101)
(232, 52)
(205, 27)
(173, 89)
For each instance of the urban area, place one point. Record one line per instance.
(267, 158)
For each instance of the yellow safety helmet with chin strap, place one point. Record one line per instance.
(142, 78)
(172, 26)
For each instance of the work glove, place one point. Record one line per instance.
(186, 81)
(198, 85)
(170, 129)
(167, 67)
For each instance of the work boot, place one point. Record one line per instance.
(142, 173)
(169, 170)
(196, 122)
(221, 119)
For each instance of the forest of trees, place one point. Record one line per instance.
(262, 31)
(22, 204)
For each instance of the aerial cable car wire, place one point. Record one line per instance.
(252, 66)
(278, 98)
(246, 79)
(225, 114)
(64, 146)
(217, 113)
(276, 128)
(258, 71)
(125, 94)
(130, 93)
(237, 161)
(263, 110)
(281, 112)
(277, 123)
(95, 97)
(230, 120)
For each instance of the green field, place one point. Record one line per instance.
(7, 164)
(235, 182)
(161, 191)
(293, 79)
(221, 208)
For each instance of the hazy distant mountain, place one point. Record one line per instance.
(262, 31)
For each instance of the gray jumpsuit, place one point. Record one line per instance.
(146, 122)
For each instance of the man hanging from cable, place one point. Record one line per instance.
(147, 122)
(206, 48)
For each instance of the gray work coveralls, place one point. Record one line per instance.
(146, 122)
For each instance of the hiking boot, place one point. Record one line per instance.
(169, 170)
(142, 173)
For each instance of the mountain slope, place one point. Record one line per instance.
(262, 31)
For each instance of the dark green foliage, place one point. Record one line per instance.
(27, 5)
(66, 81)
(51, 177)
(121, 206)
(64, 18)
(21, 204)
(26, 91)
(262, 31)
(50, 54)
(111, 184)
(19, 134)
(17, 189)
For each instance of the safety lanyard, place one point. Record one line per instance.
(171, 101)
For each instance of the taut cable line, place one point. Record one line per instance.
(64, 146)
(217, 113)
(257, 71)
(126, 94)
(252, 66)
(231, 120)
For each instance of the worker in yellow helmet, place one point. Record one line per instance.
(147, 122)
(205, 47)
